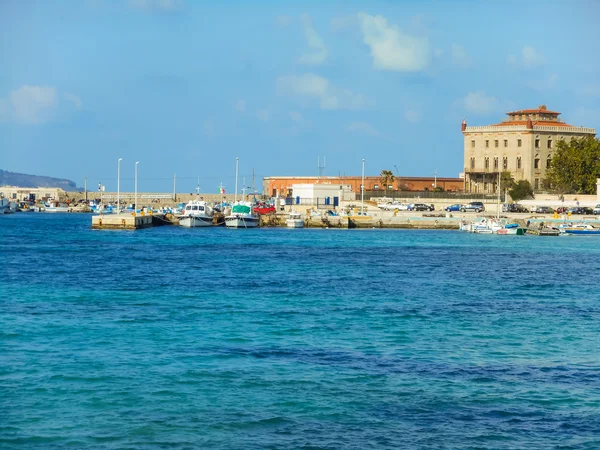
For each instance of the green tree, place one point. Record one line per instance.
(575, 166)
(387, 179)
(506, 181)
(521, 190)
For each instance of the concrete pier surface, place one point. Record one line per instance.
(123, 221)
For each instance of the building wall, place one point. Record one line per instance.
(282, 186)
(21, 193)
(480, 178)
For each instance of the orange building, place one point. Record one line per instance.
(282, 186)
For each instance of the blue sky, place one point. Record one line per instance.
(186, 86)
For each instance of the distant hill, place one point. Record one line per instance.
(23, 180)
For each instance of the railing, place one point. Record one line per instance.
(512, 128)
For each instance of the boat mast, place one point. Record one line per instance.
(198, 190)
(236, 178)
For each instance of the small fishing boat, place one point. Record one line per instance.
(196, 213)
(581, 229)
(242, 216)
(4, 206)
(294, 220)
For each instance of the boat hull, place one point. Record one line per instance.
(294, 223)
(195, 222)
(583, 232)
(241, 221)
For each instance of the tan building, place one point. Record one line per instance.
(521, 144)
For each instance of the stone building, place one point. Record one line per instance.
(521, 144)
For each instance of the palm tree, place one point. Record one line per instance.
(387, 179)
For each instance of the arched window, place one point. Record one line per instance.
(495, 162)
(518, 162)
(548, 162)
(472, 163)
(487, 162)
(505, 163)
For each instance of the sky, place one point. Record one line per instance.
(185, 87)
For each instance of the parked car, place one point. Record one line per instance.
(562, 209)
(456, 207)
(544, 210)
(264, 209)
(391, 206)
(597, 209)
(420, 207)
(514, 208)
(473, 206)
(582, 210)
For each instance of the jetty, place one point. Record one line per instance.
(128, 221)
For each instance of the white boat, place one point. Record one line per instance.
(56, 207)
(242, 213)
(196, 213)
(242, 216)
(294, 220)
(4, 205)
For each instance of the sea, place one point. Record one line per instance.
(172, 338)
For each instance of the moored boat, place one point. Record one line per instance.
(196, 214)
(581, 229)
(294, 220)
(242, 216)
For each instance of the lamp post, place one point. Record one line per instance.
(397, 177)
(119, 185)
(135, 198)
(362, 190)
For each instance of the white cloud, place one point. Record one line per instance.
(479, 103)
(208, 127)
(283, 21)
(240, 106)
(263, 115)
(530, 58)
(318, 52)
(548, 83)
(391, 48)
(362, 128)
(73, 99)
(29, 104)
(460, 57)
(412, 116)
(296, 116)
(315, 87)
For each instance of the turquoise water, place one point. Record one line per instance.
(274, 338)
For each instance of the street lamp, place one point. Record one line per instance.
(135, 198)
(119, 185)
(397, 176)
(362, 190)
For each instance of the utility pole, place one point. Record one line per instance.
(85, 188)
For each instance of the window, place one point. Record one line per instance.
(473, 144)
(518, 162)
(487, 144)
(536, 185)
(519, 142)
(376, 186)
(485, 187)
(495, 162)
(506, 142)
(549, 143)
(472, 163)
(496, 143)
(537, 143)
(505, 163)
(536, 163)
(548, 163)
(487, 162)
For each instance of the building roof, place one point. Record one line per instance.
(541, 110)
(550, 123)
